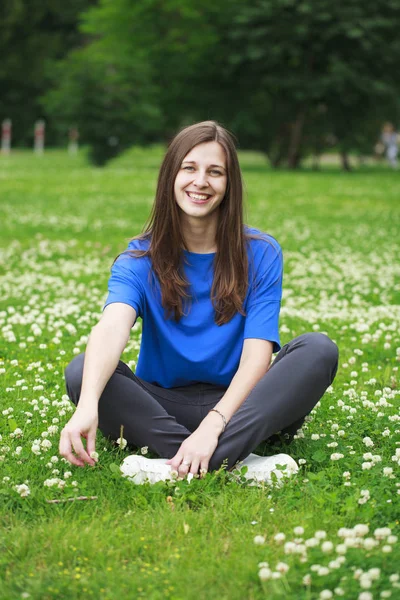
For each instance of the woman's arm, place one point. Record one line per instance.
(106, 343)
(254, 363)
(198, 448)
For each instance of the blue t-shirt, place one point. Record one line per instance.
(196, 349)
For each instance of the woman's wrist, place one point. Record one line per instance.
(214, 420)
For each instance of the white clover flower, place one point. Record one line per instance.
(346, 474)
(280, 537)
(367, 465)
(263, 564)
(259, 540)
(46, 444)
(394, 578)
(337, 456)
(282, 567)
(17, 433)
(374, 573)
(370, 543)
(386, 548)
(382, 532)
(276, 575)
(320, 535)
(327, 546)
(386, 594)
(325, 595)
(315, 436)
(298, 530)
(307, 579)
(265, 574)
(387, 471)
(23, 490)
(392, 539)
(122, 443)
(339, 591)
(368, 442)
(144, 450)
(36, 449)
(360, 529)
(365, 596)
(323, 571)
(311, 542)
(94, 455)
(300, 549)
(289, 547)
(51, 482)
(365, 496)
(341, 549)
(365, 581)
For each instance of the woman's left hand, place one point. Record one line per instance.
(195, 452)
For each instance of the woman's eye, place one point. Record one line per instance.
(188, 168)
(215, 172)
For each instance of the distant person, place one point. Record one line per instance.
(208, 289)
(389, 139)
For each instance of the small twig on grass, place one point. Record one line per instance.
(72, 499)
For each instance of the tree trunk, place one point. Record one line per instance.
(346, 166)
(278, 157)
(293, 157)
(316, 161)
(279, 145)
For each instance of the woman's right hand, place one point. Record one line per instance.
(83, 423)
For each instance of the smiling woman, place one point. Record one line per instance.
(208, 289)
(200, 187)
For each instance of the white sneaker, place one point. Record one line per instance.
(261, 468)
(140, 469)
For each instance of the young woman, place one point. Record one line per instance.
(208, 289)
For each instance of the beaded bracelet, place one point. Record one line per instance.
(221, 415)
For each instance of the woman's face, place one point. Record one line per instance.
(201, 181)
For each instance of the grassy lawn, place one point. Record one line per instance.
(62, 223)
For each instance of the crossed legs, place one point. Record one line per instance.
(302, 371)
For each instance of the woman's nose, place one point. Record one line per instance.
(201, 179)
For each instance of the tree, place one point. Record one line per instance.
(32, 33)
(314, 58)
(285, 75)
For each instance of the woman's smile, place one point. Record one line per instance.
(199, 198)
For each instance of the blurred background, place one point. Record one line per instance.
(294, 79)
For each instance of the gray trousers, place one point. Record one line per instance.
(163, 418)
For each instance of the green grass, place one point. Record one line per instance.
(62, 223)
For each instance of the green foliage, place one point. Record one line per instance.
(113, 105)
(325, 69)
(32, 34)
(290, 78)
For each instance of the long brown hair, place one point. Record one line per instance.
(164, 231)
